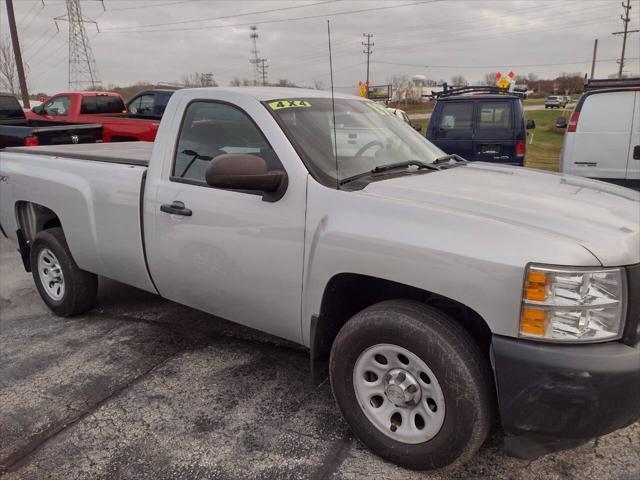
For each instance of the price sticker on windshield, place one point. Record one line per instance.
(378, 108)
(288, 104)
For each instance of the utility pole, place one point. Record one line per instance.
(593, 62)
(368, 52)
(263, 71)
(624, 33)
(17, 55)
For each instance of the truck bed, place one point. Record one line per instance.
(130, 153)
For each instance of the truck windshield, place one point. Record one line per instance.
(366, 136)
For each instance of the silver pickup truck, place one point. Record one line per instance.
(442, 295)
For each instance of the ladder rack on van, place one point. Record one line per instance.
(598, 84)
(487, 89)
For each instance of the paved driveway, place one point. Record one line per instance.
(141, 388)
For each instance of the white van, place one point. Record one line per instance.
(603, 137)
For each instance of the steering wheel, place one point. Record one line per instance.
(367, 146)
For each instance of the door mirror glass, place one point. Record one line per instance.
(38, 110)
(531, 124)
(561, 122)
(238, 171)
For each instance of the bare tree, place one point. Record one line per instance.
(532, 77)
(318, 84)
(198, 79)
(8, 73)
(236, 82)
(283, 82)
(490, 78)
(459, 81)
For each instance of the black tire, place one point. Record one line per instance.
(81, 287)
(454, 358)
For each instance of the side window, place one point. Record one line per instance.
(143, 105)
(494, 115)
(456, 116)
(57, 106)
(211, 129)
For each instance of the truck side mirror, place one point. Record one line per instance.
(239, 171)
(561, 122)
(39, 110)
(531, 124)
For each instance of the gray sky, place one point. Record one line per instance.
(437, 39)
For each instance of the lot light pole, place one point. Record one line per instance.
(17, 54)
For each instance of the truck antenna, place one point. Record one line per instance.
(333, 108)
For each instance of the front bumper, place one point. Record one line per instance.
(553, 397)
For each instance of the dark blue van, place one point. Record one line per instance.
(488, 127)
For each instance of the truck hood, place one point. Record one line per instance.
(603, 218)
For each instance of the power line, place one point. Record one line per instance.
(199, 20)
(279, 20)
(500, 66)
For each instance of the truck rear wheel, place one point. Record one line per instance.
(412, 384)
(65, 288)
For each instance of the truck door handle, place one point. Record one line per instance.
(636, 152)
(176, 208)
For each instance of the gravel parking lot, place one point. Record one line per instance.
(144, 388)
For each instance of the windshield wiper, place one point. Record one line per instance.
(452, 160)
(390, 166)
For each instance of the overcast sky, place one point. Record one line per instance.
(161, 40)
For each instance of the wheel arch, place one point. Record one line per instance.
(32, 218)
(349, 293)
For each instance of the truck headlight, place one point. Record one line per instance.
(573, 304)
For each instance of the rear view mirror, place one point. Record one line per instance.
(531, 124)
(236, 171)
(417, 128)
(561, 122)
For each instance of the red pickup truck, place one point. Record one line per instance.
(104, 108)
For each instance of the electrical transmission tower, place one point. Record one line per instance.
(367, 51)
(255, 60)
(263, 70)
(82, 65)
(625, 19)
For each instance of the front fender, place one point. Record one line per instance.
(476, 261)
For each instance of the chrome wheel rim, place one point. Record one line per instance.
(399, 393)
(51, 276)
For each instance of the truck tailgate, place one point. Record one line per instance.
(66, 134)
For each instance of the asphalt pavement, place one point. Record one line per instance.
(142, 388)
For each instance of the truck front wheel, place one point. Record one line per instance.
(412, 384)
(64, 287)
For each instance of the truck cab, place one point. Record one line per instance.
(149, 103)
(480, 127)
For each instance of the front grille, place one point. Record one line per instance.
(631, 334)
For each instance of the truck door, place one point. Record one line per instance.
(57, 108)
(494, 139)
(236, 255)
(633, 163)
(453, 130)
